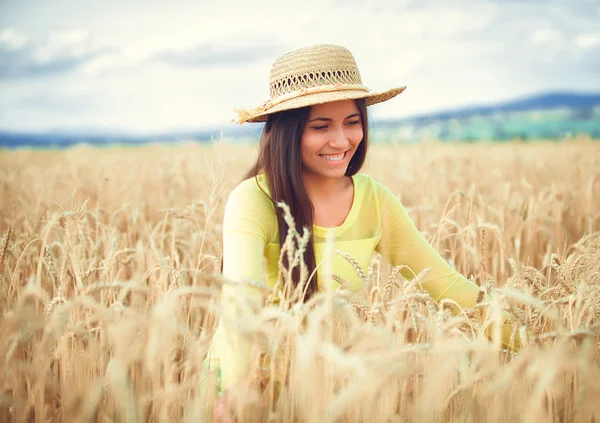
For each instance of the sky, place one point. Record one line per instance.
(157, 66)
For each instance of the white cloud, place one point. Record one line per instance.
(103, 63)
(132, 65)
(11, 39)
(546, 36)
(60, 45)
(588, 41)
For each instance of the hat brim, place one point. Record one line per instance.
(327, 97)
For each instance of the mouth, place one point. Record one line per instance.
(335, 158)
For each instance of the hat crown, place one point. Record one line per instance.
(312, 67)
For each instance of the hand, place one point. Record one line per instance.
(239, 396)
(223, 411)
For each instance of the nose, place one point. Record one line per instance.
(339, 140)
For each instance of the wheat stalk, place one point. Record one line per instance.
(4, 246)
(135, 347)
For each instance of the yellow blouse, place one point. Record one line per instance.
(377, 221)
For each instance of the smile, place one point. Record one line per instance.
(334, 157)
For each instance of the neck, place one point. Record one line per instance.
(318, 187)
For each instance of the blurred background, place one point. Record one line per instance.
(141, 71)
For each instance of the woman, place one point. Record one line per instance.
(313, 145)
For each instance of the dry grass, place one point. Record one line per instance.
(109, 291)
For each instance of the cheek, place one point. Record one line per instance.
(356, 136)
(312, 143)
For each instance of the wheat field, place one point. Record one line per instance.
(109, 288)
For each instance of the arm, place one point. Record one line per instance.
(247, 227)
(403, 244)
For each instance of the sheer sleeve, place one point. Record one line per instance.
(249, 224)
(403, 244)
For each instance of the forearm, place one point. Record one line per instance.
(233, 340)
(464, 293)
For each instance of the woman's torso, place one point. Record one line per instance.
(356, 238)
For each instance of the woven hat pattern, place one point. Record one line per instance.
(310, 67)
(313, 75)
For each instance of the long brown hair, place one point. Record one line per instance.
(279, 158)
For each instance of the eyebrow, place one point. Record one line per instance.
(329, 119)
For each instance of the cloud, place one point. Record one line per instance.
(188, 65)
(22, 57)
(59, 53)
(12, 40)
(545, 36)
(588, 41)
(214, 55)
(66, 103)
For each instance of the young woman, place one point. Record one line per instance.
(313, 145)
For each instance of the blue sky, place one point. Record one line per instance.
(146, 66)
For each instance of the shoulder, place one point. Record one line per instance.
(251, 191)
(249, 208)
(367, 184)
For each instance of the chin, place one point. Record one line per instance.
(337, 174)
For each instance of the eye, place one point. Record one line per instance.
(320, 128)
(354, 122)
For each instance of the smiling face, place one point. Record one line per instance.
(330, 138)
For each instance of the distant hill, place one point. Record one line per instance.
(547, 115)
(542, 102)
(67, 139)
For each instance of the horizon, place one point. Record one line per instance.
(184, 67)
(91, 131)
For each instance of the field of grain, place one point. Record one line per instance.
(109, 289)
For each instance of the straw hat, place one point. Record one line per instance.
(313, 75)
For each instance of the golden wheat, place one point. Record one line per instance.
(110, 285)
